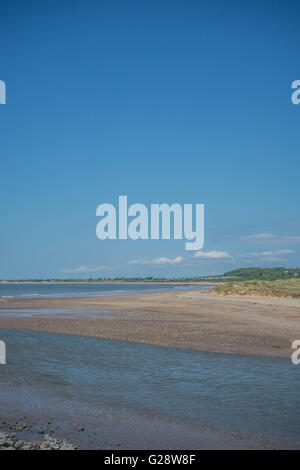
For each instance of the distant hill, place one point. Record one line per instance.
(265, 274)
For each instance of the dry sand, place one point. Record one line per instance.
(187, 319)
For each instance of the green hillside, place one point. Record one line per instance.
(267, 274)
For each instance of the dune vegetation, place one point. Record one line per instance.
(278, 288)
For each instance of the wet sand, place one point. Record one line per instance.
(194, 319)
(32, 418)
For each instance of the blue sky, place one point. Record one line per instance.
(178, 101)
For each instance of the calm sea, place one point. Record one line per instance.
(86, 290)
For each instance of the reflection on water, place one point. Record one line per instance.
(248, 394)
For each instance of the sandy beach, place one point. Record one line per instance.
(197, 320)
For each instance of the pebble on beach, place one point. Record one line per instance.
(10, 442)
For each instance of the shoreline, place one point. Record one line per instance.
(200, 283)
(188, 319)
(33, 417)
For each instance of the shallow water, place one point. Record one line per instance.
(62, 313)
(86, 290)
(254, 395)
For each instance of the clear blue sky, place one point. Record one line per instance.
(164, 101)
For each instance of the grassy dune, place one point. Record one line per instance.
(278, 288)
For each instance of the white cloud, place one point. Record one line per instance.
(291, 238)
(278, 252)
(212, 254)
(259, 237)
(161, 260)
(267, 254)
(85, 269)
(271, 237)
